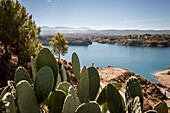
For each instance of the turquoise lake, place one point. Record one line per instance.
(141, 60)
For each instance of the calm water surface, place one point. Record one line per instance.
(141, 60)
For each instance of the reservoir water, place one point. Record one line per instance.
(141, 60)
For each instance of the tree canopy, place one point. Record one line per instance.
(18, 31)
(59, 44)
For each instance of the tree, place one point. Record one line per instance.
(18, 31)
(59, 44)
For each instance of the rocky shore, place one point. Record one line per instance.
(163, 77)
(135, 42)
(71, 41)
(153, 92)
(85, 41)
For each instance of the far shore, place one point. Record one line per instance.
(163, 77)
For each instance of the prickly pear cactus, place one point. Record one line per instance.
(21, 74)
(58, 81)
(33, 68)
(161, 107)
(114, 101)
(91, 107)
(94, 83)
(135, 105)
(46, 58)
(26, 98)
(6, 89)
(69, 104)
(8, 99)
(72, 92)
(133, 89)
(64, 73)
(101, 99)
(64, 86)
(104, 108)
(83, 86)
(76, 65)
(43, 84)
(56, 101)
(151, 111)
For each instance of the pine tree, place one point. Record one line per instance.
(17, 31)
(59, 45)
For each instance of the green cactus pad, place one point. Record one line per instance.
(64, 86)
(76, 65)
(21, 74)
(151, 111)
(104, 108)
(43, 83)
(26, 98)
(114, 101)
(133, 89)
(33, 68)
(83, 86)
(58, 81)
(8, 99)
(64, 73)
(46, 58)
(69, 104)
(94, 83)
(161, 107)
(71, 90)
(56, 101)
(6, 89)
(91, 107)
(101, 99)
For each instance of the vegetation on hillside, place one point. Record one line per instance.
(18, 32)
(156, 37)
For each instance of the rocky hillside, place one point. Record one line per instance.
(136, 42)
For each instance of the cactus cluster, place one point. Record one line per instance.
(47, 93)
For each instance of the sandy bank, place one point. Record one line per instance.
(163, 77)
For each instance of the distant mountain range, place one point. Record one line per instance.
(45, 30)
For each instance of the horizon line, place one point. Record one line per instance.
(93, 28)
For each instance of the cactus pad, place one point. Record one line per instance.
(43, 83)
(26, 98)
(114, 101)
(161, 107)
(69, 104)
(56, 101)
(94, 83)
(46, 58)
(76, 65)
(21, 74)
(8, 99)
(133, 89)
(64, 86)
(83, 86)
(91, 107)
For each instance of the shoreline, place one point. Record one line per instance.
(163, 77)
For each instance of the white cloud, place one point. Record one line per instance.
(49, 0)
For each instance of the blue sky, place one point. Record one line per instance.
(101, 14)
